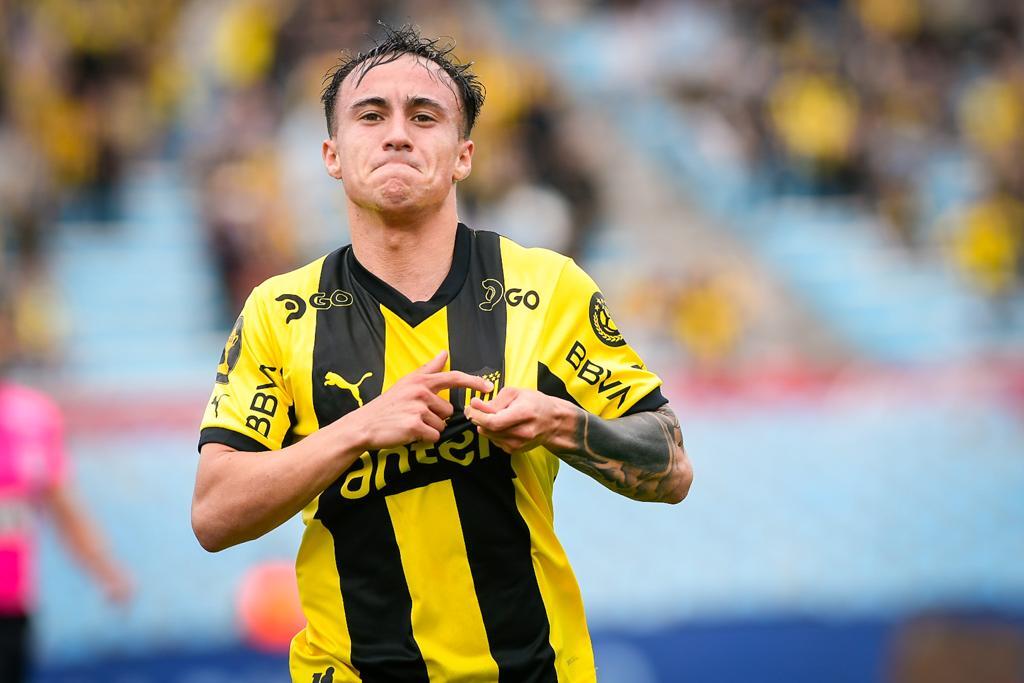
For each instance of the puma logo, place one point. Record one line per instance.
(333, 379)
(216, 403)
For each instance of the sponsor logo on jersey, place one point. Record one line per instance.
(264, 405)
(325, 677)
(601, 321)
(494, 294)
(596, 375)
(295, 306)
(333, 379)
(376, 470)
(215, 402)
(232, 350)
(321, 301)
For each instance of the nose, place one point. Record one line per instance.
(397, 138)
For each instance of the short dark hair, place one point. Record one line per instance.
(406, 40)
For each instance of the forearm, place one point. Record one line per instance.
(240, 496)
(640, 456)
(79, 535)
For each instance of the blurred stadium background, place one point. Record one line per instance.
(808, 216)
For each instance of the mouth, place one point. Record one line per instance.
(396, 162)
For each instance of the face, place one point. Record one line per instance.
(398, 145)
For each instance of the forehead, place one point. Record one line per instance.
(408, 76)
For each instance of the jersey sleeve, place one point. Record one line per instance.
(585, 359)
(249, 408)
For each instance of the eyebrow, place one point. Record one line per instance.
(421, 101)
(370, 102)
(412, 102)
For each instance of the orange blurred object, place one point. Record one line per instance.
(268, 606)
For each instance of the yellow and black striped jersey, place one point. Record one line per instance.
(429, 563)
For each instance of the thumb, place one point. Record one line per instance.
(436, 364)
(483, 406)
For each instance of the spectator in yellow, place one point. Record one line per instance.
(707, 320)
(988, 242)
(814, 115)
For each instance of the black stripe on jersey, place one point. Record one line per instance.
(229, 437)
(293, 420)
(415, 312)
(551, 384)
(378, 609)
(497, 538)
(652, 401)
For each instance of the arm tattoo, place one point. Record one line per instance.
(636, 456)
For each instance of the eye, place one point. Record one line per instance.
(423, 118)
(371, 116)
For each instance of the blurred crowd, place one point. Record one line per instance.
(231, 90)
(84, 87)
(913, 108)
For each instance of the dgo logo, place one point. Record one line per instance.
(494, 293)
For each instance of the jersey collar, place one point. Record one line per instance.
(415, 312)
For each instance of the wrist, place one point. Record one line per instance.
(567, 418)
(349, 438)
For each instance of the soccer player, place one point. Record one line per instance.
(412, 395)
(32, 479)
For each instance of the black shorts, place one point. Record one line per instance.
(14, 648)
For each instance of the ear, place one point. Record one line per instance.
(464, 162)
(332, 161)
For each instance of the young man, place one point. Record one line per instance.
(33, 479)
(412, 394)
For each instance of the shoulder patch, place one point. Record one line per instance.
(232, 350)
(601, 321)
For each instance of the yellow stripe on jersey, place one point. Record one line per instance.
(322, 604)
(536, 470)
(453, 642)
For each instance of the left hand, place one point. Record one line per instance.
(521, 419)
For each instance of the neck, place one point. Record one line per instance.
(413, 255)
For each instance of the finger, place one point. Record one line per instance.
(480, 419)
(433, 421)
(496, 440)
(436, 364)
(503, 400)
(426, 436)
(505, 397)
(440, 407)
(508, 419)
(501, 421)
(454, 378)
(483, 406)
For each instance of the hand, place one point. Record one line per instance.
(411, 410)
(117, 586)
(521, 419)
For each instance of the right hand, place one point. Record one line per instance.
(411, 410)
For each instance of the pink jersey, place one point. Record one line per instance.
(31, 463)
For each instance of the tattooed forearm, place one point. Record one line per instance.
(640, 456)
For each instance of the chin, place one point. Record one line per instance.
(396, 192)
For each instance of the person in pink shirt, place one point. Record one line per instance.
(33, 480)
